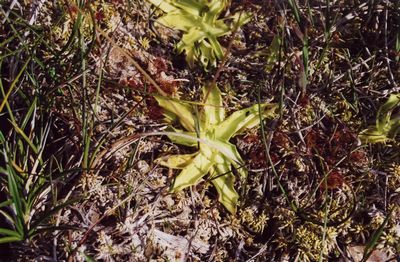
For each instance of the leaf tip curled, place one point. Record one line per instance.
(373, 136)
(216, 154)
(202, 25)
(386, 127)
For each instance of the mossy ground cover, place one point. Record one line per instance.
(82, 133)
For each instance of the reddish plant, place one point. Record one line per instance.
(100, 15)
(281, 140)
(359, 158)
(160, 65)
(155, 112)
(334, 180)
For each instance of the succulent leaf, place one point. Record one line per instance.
(385, 111)
(200, 21)
(216, 155)
(224, 181)
(176, 161)
(163, 5)
(182, 111)
(243, 119)
(191, 174)
(183, 140)
(214, 112)
(226, 149)
(387, 127)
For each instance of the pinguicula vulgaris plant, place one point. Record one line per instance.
(210, 131)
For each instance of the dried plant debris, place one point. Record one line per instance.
(86, 171)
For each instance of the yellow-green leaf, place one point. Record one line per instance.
(164, 5)
(201, 22)
(214, 112)
(219, 53)
(193, 7)
(216, 154)
(186, 21)
(245, 118)
(183, 140)
(181, 110)
(387, 127)
(224, 181)
(192, 173)
(206, 54)
(385, 111)
(176, 161)
(373, 135)
(225, 148)
(241, 18)
(214, 9)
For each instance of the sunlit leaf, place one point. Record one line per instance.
(241, 18)
(192, 173)
(373, 135)
(177, 161)
(224, 181)
(191, 6)
(186, 23)
(385, 111)
(214, 112)
(201, 23)
(181, 110)
(216, 156)
(163, 5)
(216, 47)
(206, 54)
(242, 119)
(387, 127)
(225, 148)
(183, 140)
(394, 129)
(273, 52)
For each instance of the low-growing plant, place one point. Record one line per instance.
(30, 172)
(201, 23)
(210, 131)
(387, 126)
(30, 198)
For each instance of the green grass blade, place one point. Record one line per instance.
(25, 137)
(17, 200)
(5, 203)
(373, 242)
(295, 9)
(4, 240)
(49, 213)
(28, 114)
(8, 232)
(8, 217)
(13, 84)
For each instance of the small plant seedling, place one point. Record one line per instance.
(387, 127)
(210, 131)
(200, 21)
